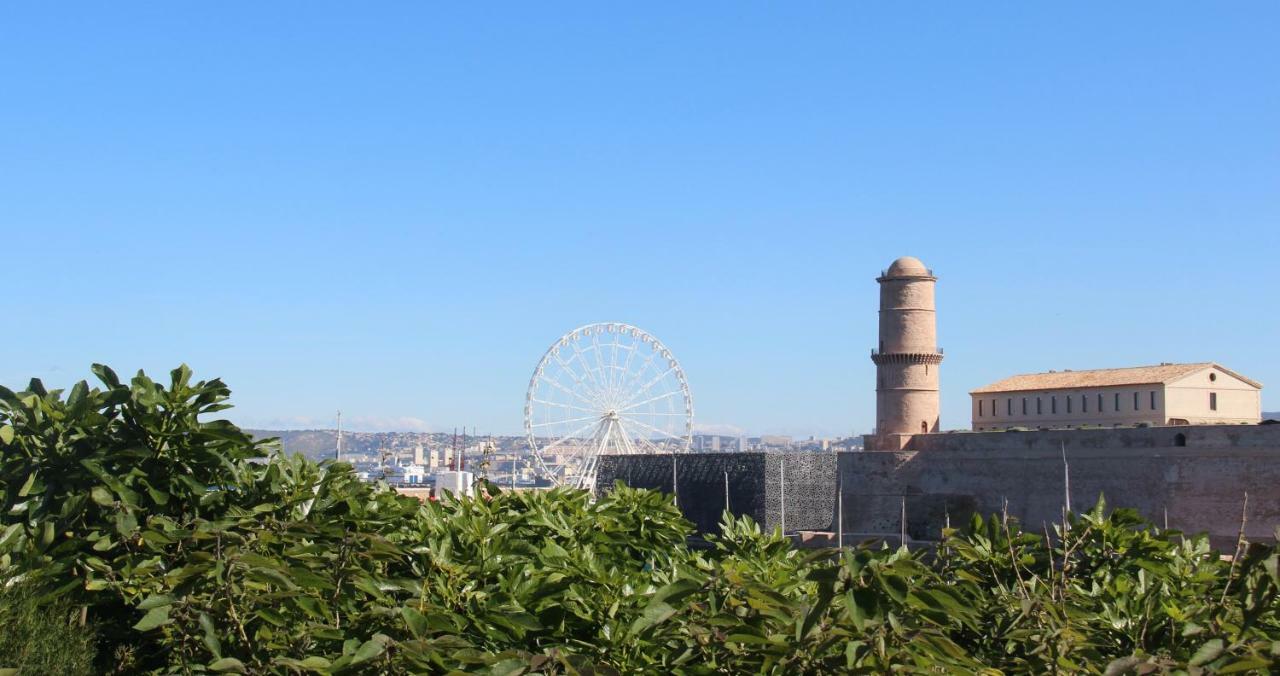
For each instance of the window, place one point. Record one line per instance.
(1039, 407)
(1024, 406)
(1135, 401)
(979, 408)
(993, 407)
(1053, 405)
(1068, 403)
(1084, 403)
(1179, 439)
(1153, 400)
(1213, 401)
(1117, 402)
(1009, 405)
(1099, 402)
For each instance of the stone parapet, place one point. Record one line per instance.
(906, 357)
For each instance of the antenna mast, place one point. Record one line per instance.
(339, 458)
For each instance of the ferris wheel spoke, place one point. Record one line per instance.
(627, 447)
(570, 406)
(571, 435)
(596, 373)
(649, 385)
(586, 369)
(626, 366)
(578, 377)
(647, 426)
(619, 372)
(646, 442)
(660, 397)
(632, 378)
(604, 375)
(565, 422)
(584, 386)
(613, 363)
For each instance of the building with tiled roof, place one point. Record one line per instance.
(1165, 394)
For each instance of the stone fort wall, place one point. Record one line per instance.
(1199, 485)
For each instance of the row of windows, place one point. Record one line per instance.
(1069, 404)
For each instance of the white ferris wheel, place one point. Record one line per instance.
(605, 389)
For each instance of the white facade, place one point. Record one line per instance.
(1169, 394)
(457, 483)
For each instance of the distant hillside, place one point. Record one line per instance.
(322, 443)
(1273, 415)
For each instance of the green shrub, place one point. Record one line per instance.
(189, 554)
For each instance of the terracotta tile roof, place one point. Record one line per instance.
(1136, 375)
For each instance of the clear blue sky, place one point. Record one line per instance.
(394, 208)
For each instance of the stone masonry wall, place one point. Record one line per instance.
(1200, 486)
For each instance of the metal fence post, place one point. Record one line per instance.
(675, 483)
(839, 505)
(782, 483)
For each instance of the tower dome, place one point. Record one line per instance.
(907, 266)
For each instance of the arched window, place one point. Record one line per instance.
(979, 408)
(1179, 439)
(1024, 406)
(924, 427)
(1117, 402)
(1084, 403)
(1135, 401)
(1099, 402)
(1053, 405)
(1068, 403)
(1039, 406)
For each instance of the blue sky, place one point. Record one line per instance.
(393, 209)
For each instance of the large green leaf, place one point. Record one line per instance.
(156, 617)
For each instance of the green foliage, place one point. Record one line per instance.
(41, 636)
(189, 547)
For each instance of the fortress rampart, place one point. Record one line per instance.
(1199, 486)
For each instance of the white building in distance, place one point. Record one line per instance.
(1167, 394)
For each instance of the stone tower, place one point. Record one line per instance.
(908, 357)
